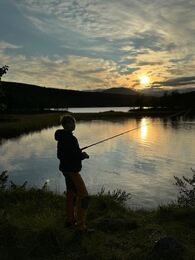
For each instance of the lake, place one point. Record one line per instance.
(142, 162)
(95, 109)
(90, 109)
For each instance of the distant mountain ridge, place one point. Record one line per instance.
(115, 90)
(160, 92)
(153, 92)
(19, 96)
(120, 90)
(28, 96)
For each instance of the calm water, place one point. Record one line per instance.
(95, 109)
(92, 109)
(142, 162)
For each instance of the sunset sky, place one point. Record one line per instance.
(91, 44)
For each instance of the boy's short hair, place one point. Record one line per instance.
(67, 119)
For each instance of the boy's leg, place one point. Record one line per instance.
(82, 200)
(70, 200)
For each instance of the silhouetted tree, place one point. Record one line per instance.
(3, 71)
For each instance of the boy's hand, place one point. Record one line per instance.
(85, 155)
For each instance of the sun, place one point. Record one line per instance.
(144, 80)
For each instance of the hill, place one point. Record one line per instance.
(115, 90)
(121, 91)
(20, 95)
(161, 92)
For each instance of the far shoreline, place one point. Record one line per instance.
(141, 111)
(14, 124)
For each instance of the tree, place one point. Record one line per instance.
(3, 71)
(3, 106)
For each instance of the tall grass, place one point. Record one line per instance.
(15, 125)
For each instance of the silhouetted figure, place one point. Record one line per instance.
(70, 156)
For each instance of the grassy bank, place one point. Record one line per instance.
(13, 125)
(32, 226)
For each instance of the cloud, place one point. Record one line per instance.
(176, 82)
(92, 71)
(152, 40)
(39, 23)
(5, 45)
(146, 63)
(116, 19)
(114, 41)
(73, 72)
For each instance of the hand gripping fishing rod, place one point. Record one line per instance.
(133, 129)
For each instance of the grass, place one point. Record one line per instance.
(32, 226)
(13, 125)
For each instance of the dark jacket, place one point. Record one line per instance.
(68, 151)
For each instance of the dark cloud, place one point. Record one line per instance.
(151, 40)
(181, 79)
(176, 82)
(186, 58)
(145, 63)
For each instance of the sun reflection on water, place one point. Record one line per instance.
(144, 129)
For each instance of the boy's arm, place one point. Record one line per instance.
(85, 155)
(77, 152)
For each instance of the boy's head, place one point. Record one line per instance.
(68, 122)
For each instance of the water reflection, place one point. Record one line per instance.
(142, 162)
(144, 128)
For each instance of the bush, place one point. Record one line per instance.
(186, 187)
(12, 186)
(3, 180)
(118, 195)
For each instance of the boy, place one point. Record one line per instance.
(70, 156)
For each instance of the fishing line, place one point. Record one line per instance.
(133, 129)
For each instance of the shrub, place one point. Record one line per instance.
(186, 187)
(4, 183)
(117, 195)
(3, 180)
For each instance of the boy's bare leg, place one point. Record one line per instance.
(70, 204)
(82, 200)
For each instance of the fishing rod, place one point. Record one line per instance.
(133, 129)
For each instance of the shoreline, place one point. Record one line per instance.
(16, 124)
